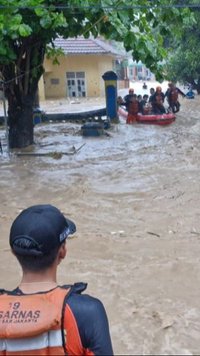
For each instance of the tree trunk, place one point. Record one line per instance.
(36, 103)
(20, 123)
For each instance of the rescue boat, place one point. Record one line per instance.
(152, 119)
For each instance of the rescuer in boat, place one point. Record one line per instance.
(128, 97)
(40, 317)
(172, 94)
(133, 110)
(152, 92)
(158, 101)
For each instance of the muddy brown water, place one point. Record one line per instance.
(135, 199)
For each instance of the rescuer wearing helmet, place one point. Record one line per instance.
(172, 95)
(133, 109)
(128, 97)
(158, 101)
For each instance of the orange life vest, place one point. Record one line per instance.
(32, 324)
(174, 96)
(159, 99)
(131, 118)
(133, 107)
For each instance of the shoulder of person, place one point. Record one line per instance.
(76, 293)
(91, 319)
(83, 303)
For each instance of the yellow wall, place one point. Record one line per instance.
(94, 67)
(41, 88)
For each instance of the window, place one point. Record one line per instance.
(80, 75)
(55, 81)
(76, 86)
(70, 75)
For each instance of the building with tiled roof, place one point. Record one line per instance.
(81, 67)
(81, 45)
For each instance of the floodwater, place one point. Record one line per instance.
(134, 196)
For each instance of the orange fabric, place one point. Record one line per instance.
(131, 119)
(174, 95)
(133, 107)
(29, 316)
(88, 352)
(48, 351)
(48, 303)
(74, 345)
(159, 99)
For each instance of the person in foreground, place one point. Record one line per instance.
(39, 317)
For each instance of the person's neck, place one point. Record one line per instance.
(38, 282)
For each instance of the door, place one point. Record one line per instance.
(76, 84)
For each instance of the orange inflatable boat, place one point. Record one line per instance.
(152, 119)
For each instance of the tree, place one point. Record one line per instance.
(183, 64)
(185, 68)
(29, 27)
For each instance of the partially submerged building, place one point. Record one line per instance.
(80, 71)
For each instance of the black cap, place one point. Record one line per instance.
(39, 229)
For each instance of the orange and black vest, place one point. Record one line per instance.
(58, 322)
(159, 99)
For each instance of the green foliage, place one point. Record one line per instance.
(183, 63)
(54, 53)
(130, 21)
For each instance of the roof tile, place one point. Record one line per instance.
(81, 45)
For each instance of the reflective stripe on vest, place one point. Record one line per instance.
(52, 338)
(32, 323)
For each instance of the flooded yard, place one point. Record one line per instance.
(135, 197)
